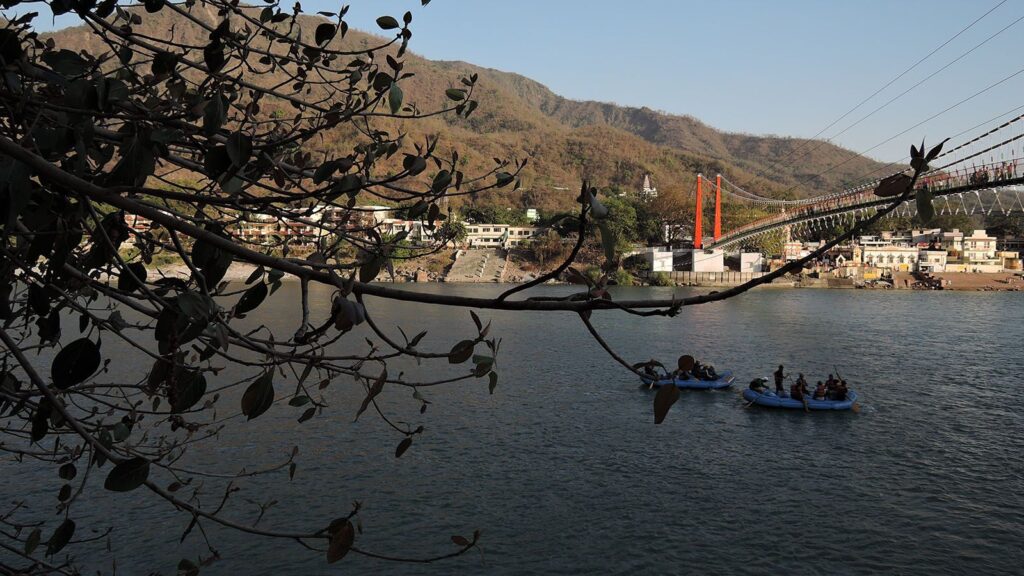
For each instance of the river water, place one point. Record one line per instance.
(564, 472)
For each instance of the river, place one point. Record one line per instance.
(564, 472)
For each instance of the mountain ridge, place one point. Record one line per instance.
(569, 140)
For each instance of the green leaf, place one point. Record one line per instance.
(251, 299)
(925, 209)
(493, 377)
(456, 94)
(387, 23)
(60, 537)
(299, 401)
(461, 352)
(504, 179)
(127, 475)
(258, 396)
(324, 33)
(395, 97)
(663, 400)
(76, 362)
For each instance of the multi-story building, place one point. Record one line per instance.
(979, 253)
(499, 235)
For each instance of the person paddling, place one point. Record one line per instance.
(779, 377)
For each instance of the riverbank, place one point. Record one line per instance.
(958, 281)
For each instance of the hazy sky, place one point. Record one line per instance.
(787, 68)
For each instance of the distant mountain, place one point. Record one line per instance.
(566, 140)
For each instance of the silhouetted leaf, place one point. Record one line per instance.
(130, 282)
(190, 386)
(460, 540)
(893, 185)
(370, 269)
(251, 299)
(925, 210)
(127, 475)
(32, 542)
(387, 23)
(395, 97)
(259, 396)
(324, 33)
(76, 362)
(456, 94)
(239, 148)
(60, 537)
(341, 542)
(372, 392)
(403, 446)
(663, 400)
(461, 352)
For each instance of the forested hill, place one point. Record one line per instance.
(566, 139)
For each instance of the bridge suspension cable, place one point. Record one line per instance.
(908, 90)
(889, 83)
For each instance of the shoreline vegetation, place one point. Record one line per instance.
(901, 281)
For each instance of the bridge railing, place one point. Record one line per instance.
(992, 172)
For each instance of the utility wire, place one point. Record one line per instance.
(891, 82)
(905, 92)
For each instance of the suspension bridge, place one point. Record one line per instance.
(982, 175)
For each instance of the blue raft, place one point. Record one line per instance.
(771, 400)
(725, 379)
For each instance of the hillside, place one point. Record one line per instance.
(567, 140)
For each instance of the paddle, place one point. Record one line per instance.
(855, 407)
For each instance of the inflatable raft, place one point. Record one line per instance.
(771, 400)
(725, 379)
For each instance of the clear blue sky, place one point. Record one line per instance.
(787, 68)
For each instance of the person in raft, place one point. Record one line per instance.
(839, 393)
(819, 390)
(799, 390)
(759, 385)
(779, 377)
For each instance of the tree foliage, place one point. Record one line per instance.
(181, 144)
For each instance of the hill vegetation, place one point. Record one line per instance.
(565, 140)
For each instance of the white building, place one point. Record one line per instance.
(980, 253)
(659, 259)
(931, 260)
(708, 261)
(499, 235)
(751, 262)
(647, 192)
(889, 257)
(532, 215)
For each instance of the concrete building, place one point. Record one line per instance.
(897, 258)
(499, 235)
(931, 260)
(751, 262)
(708, 261)
(532, 215)
(979, 253)
(659, 259)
